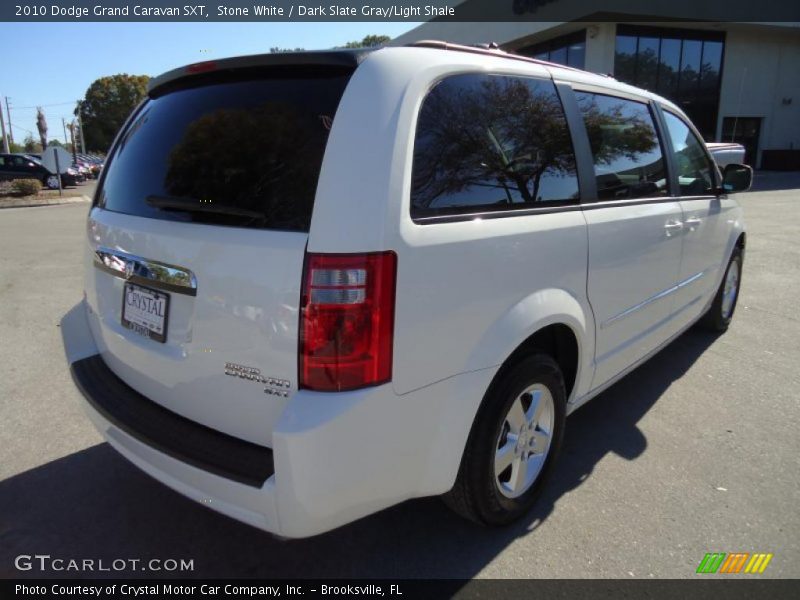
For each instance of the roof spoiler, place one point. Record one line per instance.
(334, 58)
(490, 49)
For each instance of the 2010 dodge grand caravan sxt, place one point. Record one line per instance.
(318, 284)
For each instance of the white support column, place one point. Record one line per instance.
(601, 39)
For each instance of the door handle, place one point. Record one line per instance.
(672, 226)
(693, 222)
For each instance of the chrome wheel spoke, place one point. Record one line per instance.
(535, 464)
(534, 412)
(519, 475)
(516, 416)
(504, 457)
(541, 441)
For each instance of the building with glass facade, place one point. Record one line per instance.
(737, 81)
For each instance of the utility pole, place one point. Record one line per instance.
(3, 126)
(80, 128)
(64, 125)
(8, 114)
(72, 134)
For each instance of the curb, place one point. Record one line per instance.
(25, 203)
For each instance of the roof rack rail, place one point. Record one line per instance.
(490, 49)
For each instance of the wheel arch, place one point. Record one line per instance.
(556, 337)
(558, 341)
(552, 321)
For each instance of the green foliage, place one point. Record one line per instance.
(106, 106)
(13, 147)
(278, 50)
(31, 145)
(369, 41)
(55, 143)
(26, 187)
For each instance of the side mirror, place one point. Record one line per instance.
(736, 178)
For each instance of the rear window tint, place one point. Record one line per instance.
(491, 143)
(237, 153)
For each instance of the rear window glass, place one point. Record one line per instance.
(491, 143)
(237, 153)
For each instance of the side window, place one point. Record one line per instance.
(628, 161)
(695, 169)
(491, 143)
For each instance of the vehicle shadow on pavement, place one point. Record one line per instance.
(95, 505)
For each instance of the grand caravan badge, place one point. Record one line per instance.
(272, 385)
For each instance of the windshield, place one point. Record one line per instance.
(254, 145)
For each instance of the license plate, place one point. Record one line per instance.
(145, 311)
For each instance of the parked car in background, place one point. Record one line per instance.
(25, 166)
(80, 174)
(725, 154)
(93, 163)
(405, 269)
(74, 171)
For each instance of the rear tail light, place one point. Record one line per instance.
(201, 67)
(347, 320)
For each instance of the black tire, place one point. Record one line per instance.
(716, 318)
(476, 494)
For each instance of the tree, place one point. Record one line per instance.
(13, 147)
(31, 145)
(272, 159)
(369, 41)
(501, 136)
(41, 125)
(106, 106)
(278, 50)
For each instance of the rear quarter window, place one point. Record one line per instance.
(491, 143)
(244, 153)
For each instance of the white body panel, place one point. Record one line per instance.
(245, 312)
(468, 294)
(726, 153)
(634, 258)
(708, 225)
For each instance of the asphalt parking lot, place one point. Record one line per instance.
(696, 451)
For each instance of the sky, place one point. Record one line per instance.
(53, 64)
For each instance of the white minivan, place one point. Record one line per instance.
(321, 283)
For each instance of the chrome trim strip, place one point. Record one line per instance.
(662, 294)
(137, 269)
(338, 295)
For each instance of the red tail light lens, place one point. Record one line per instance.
(347, 320)
(201, 67)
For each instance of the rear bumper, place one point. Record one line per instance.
(335, 457)
(169, 433)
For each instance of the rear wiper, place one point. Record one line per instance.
(197, 205)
